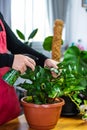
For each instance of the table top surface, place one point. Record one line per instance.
(64, 123)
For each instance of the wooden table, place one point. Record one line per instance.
(69, 123)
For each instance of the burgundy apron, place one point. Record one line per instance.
(3, 47)
(9, 103)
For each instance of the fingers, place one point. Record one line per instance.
(22, 69)
(54, 74)
(30, 63)
(51, 63)
(21, 63)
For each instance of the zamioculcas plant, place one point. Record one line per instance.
(41, 100)
(31, 36)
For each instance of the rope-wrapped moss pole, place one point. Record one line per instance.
(57, 39)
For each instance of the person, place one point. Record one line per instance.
(17, 58)
(16, 55)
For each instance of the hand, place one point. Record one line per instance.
(51, 64)
(21, 62)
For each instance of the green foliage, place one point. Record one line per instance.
(32, 34)
(41, 85)
(71, 80)
(22, 36)
(74, 74)
(47, 44)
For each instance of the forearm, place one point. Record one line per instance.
(16, 46)
(6, 60)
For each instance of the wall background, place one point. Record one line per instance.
(78, 23)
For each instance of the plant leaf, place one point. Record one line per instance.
(32, 34)
(20, 34)
(72, 54)
(47, 44)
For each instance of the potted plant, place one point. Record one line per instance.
(73, 79)
(70, 56)
(41, 106)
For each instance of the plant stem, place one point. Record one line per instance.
(74, 101)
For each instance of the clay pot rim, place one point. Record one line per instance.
(61, 103)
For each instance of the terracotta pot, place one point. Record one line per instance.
(42, 117)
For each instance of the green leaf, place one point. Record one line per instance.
(20, 34)
(32, 34)
(76, 99)
(85, 102)
(29, 99)
(54, 91)
(47, 44)
(72, 54)
(84, 56)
